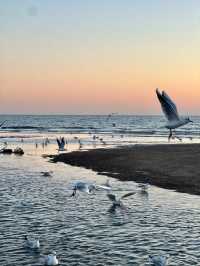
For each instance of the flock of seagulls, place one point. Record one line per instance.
(173, 121)
(117, 203)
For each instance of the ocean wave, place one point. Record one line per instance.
(24, 127)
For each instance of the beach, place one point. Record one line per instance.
(99, 133)
(170, 166)
(41, 206)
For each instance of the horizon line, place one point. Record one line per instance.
(61, 114)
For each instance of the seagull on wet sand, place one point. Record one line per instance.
(117, 203)
(171, 113)
(158, 260)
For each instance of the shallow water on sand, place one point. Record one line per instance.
(81, 230)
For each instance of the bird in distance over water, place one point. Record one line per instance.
(171, 113)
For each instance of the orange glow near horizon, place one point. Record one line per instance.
(116, 68)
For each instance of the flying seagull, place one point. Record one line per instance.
(171, 113)
(83, 187)
(117, 203)
(61, 143)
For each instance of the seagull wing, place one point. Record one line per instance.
(62, 143)
(2, 123)
(128, 195)
(111, 197)
(58, 141)
(112, 208)
(103, 187)
(168, 106)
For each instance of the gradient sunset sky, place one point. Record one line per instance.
(98, 56)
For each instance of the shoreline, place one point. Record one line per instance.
(169, 166)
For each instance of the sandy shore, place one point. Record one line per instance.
(167, 166)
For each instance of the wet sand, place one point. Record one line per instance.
(171, 166)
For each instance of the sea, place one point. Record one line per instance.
(82, 230)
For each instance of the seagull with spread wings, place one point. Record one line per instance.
(61, 143)
(83, 187)
(171, 113)
(117, 203)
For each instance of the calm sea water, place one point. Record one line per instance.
(81, 230)
(122, 129)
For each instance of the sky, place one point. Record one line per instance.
(98, 56)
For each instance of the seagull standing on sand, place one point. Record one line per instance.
(171, 113)
(117, 203)
(158, 260)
